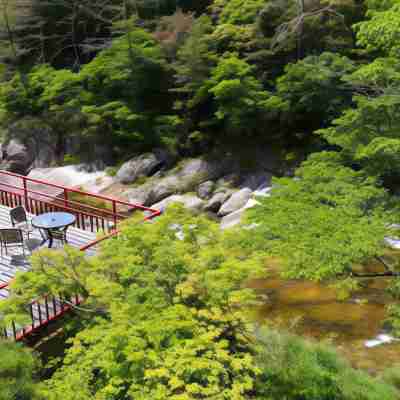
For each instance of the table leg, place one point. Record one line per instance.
(50, 238)
(44, 237)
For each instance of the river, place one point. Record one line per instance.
(313, 310)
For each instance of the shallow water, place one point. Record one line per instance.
(313, 310)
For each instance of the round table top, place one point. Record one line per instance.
(53, 220)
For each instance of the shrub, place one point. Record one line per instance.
(16, 372)
(294, 369)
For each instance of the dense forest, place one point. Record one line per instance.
(166, 314)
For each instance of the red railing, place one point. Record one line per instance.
(37, 197)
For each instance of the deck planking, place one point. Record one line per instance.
(15, 261)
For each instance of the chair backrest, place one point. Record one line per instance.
(17, 215)
(11, 236)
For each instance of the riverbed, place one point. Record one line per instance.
(313, 310)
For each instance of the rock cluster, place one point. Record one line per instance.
(218, 187)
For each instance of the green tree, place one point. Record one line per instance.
(240, 102)
(17, 369)
(238, 11)
(194, 62)
(167, 313)
(120, 98)
(369, 134)
(324, 221)
(126, 90)
(381, 32)
(312, 92)
(42, 107)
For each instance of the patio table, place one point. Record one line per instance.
(53, 222)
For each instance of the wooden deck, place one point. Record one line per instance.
(37, 197)
(15, 261)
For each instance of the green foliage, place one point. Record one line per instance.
(238, 11)
(42, 90)
(312, 91)
(323, 221)
(230, 37)
(294, 369)
(17, 369)
(126, 87)
(369, 133)
(382, 31)
(239, 99)
(168, 317)
(392, 376)
(380, 74)
(119, 97)
(195, 58)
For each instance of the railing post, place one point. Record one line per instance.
(114, 204)
(66, 204)
(25, 193)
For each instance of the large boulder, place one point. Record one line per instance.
(144, 165)
(164, 188)
(139, 195)
(17, 157)
(216, 201)
(235, 202)
(185, 178)
(205, 189)
(38, 143)
(235, 218)
(190, 202)
(201, 169)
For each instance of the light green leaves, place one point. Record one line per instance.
(323, 221)
(167, 318)
(381, 32)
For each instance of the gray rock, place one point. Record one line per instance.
(205, 190)
(264, 192)
(201, 170)
(17, 157)
(216, 201)
(164, 188)
(38, 140)
(227, 181)
(232, 219)
(139, 195)
(144, 165)
(185, 179)
(235, 218)
(198, 167)
(235, 202)
(190, 202)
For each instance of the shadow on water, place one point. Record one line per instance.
(319, 314)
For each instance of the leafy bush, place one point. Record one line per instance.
(392, 376)
(239, 11)
(323, 221)
(17, 368)
(294, 369)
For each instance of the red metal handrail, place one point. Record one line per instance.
(88, 216)
(73, 190)
(25, 194)
(56, 199)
